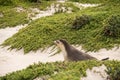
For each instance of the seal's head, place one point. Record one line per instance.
(61, 44)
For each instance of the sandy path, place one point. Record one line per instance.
(97, 73)
(8, 32)
(113, 54)
(15, 60)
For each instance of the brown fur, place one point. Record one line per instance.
(72, 54)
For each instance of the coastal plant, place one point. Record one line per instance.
(112, 26)
(80, 21)
(6, 2)
(53, 71)
(113, 69)
(37, 34)
(8, 20)
(63, 70)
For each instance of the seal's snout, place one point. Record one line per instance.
(56, 42)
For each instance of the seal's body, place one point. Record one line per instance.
(70, 53)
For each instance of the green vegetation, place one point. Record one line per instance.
(95, 1)
(71, 5)
(113, 69)
(88, 1)
(112, 26)
(79, 22)
(42, 32)
(56, 71)
(11, 17)
(6, 2)
(63, 70)
(67, 6)
(26, 3)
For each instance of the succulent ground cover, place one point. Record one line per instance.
(63, 70)
(93, 34)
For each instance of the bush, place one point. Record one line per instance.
(74, 0)
(63, 71)
(95, 1)
(113, 70)
(38, 1)
(112, 26)
(79, 22)
(34, 0)
(6, 2)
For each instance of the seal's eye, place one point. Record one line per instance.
(57, 42)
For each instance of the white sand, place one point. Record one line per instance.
(49, 12)
(20, 9)
(97, 73)
(1, 15)
(15, 60)
(82, 6)
(8, 32)
(113, 54)
(62, 1)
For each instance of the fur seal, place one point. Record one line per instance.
(72, 54)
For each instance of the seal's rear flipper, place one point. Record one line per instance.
(105, 59)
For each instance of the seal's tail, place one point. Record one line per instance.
(105, 59)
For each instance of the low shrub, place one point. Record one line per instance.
(34, 0)
(79, 22)
(38, 1)
(63, 71)
(53, 71)
(113, 70)
(112, 26)
(6, 2)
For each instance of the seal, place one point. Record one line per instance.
(72, 54)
